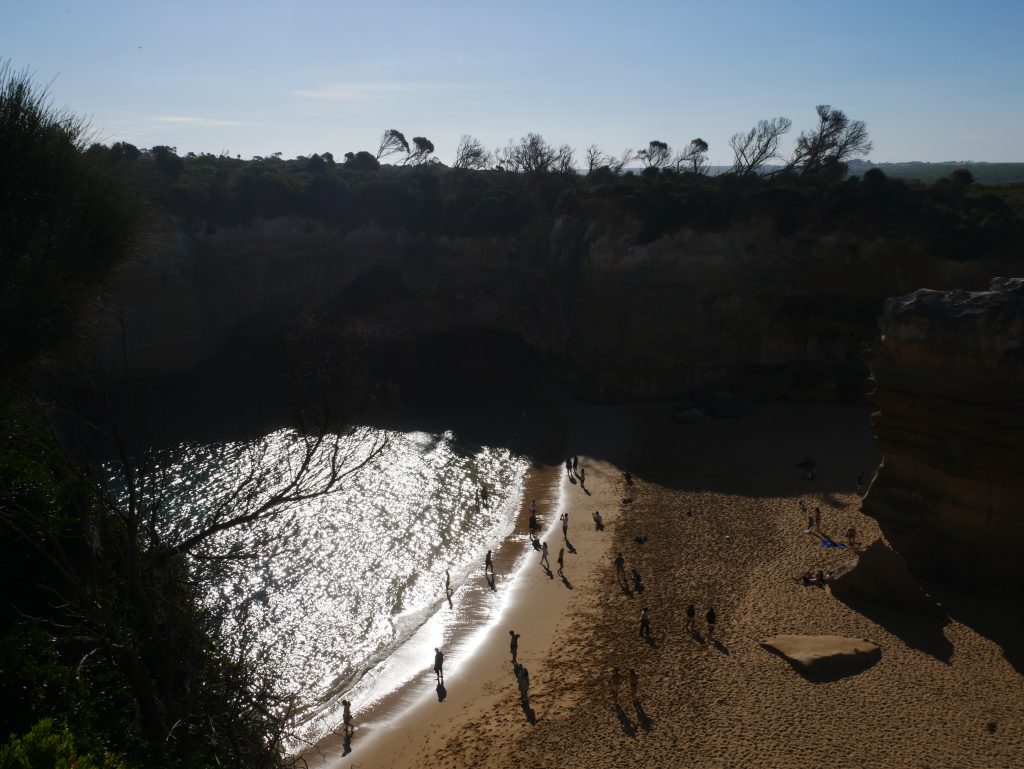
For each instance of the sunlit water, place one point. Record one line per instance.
(331, 586)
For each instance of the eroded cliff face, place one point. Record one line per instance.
(949, 383)
(615, 318)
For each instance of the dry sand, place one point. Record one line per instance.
(720, 505)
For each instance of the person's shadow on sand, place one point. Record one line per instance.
(641, 715)
(566, 582)
(490, 582)
(569, 547)
(696, 636)
(531, 716)
(625, 589)
(441, 692)
(651, 641)
(346, 745)
(547, 570)
(627, 725)
(720, 646)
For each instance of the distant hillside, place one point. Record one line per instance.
(986, 173)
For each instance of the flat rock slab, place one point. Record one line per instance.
(825, 657)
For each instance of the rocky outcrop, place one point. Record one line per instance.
(824, 657)
(881, 576)
(615, 317)
(949, 384)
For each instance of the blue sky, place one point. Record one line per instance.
(938, 80)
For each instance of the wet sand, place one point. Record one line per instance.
(720, 505)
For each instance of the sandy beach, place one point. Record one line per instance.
(718, 507)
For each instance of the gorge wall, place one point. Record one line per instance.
(614, 317)
(949, 384)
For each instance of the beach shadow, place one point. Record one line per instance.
(536, 543)
(547, 570)
(566, 582)
(572, 480)
(569, 547)
(627, 725)
(491, 582)
(598, 526)
(642, 718)
(531, 716)
(625, 589)
(994, 614)
(346, 745)
(441, 691)
(651, 641)
(586, 491)
(720, 646)
(696, 636)
(926, 634)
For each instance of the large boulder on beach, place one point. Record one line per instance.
(825, 657)
(881, 576)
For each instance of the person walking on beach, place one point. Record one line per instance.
(810, 524)
(561, 560)
(488, 564)
(645, 624)
(615, 682)
(513, 645)
(634, 682)
(638, 586)
(598, 521)
(533, 507)
(575, 462)
(817, 519)
(851, 537)
(544, 556)
(691, 612)
(564, 518)
(534, 526)
(712, 619)
(620, 569)
(568, 466)
(582, 477)
(439, 665)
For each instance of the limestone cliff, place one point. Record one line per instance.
(949, 383)
(615, 317)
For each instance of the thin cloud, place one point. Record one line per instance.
(197, 121)
(362, 91)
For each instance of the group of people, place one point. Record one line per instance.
(573, 469)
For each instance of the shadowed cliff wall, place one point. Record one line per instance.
(949, 384)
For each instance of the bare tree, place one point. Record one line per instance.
(422, 151)
(471, 154)
(617, 165)
(833, 141)
(751, 150)
(593, 159)
(693, 159)
(657, 155)
(533, 155)
(391, 143)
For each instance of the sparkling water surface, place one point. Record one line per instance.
(329, 587)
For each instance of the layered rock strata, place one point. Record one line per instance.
(949, 383)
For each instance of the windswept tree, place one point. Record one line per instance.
(657, 155)
(617, 165)
(422, 151)
(471, 155)
(693, 159)
(754, 148)
(835, 140)
(392, 142)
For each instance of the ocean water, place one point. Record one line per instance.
(329, 587)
